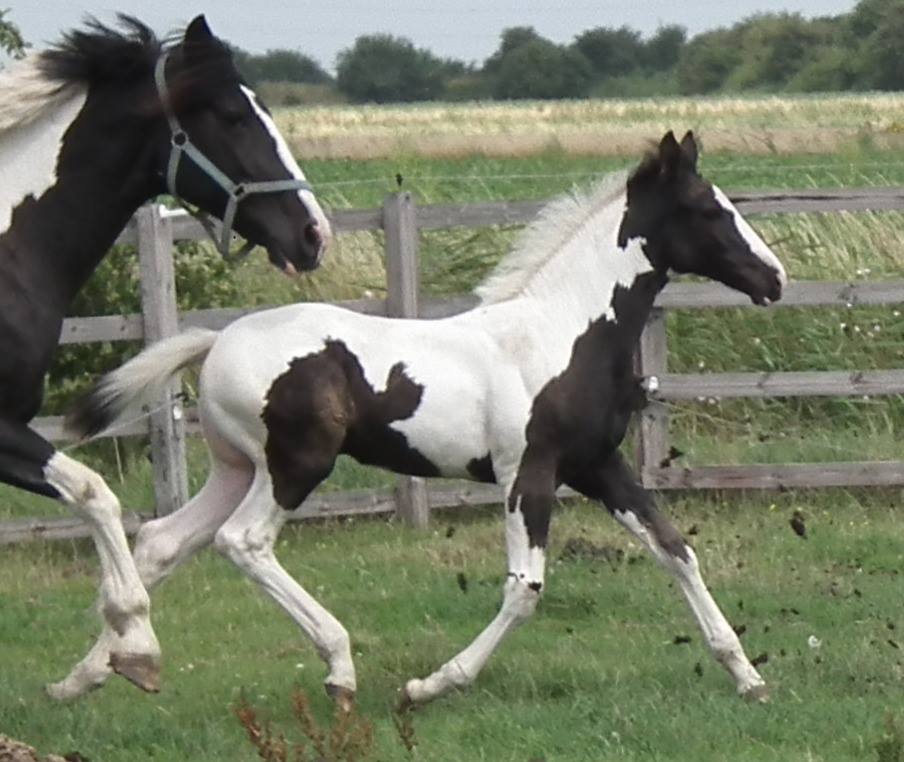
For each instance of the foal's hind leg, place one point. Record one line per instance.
(247, 538)
(614, 484)
(161, 546)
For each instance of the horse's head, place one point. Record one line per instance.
(690, 226)
(224, 153)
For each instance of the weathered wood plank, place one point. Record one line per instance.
(652, 360)
(29, 530)
(830, 200)
(402, 290)
(186, 228)
(88, 330)
(161, 320)
(464, 494)
(692, 386)
(784, 476)
(686, 295)
(679, 295)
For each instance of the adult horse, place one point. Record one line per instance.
(532, 389)
(89, 130)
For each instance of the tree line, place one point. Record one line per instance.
(771, 52)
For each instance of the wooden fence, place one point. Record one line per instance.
(154, 231)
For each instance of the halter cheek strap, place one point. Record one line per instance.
(181, 145)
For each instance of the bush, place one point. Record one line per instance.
(203, 279)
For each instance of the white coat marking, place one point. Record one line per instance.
(757, 245)
(29, 155)
(288, 160)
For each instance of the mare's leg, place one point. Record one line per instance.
(161, 546)
(247, 538)
(613, 482)
(29, 461)
(527, 512)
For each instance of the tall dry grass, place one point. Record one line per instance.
(752, 125)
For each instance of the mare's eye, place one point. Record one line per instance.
(233, 117)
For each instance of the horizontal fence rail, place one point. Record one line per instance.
(402, 221)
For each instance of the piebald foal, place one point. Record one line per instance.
(532, 389)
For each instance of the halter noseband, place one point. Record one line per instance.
(182, 145)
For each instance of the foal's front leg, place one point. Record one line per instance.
(527, 512)
(614, 483)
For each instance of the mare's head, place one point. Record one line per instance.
(192, 127)
(690, 226)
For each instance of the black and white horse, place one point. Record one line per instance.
(89, 130)
(532, 389)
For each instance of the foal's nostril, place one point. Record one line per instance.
(312, 235)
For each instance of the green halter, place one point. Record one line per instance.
(182, 146)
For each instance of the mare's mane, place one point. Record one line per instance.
(97, 53)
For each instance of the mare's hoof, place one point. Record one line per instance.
(344, 698)
(758, 694)
(63, 691)
(139, 669)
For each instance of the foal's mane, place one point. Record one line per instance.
(541, 241)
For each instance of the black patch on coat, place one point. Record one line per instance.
(323, 406)
(481, 469)
(581, 415)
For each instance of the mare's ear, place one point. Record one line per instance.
(670, 154)
(689, 149)
(198, 41)
(198, 31)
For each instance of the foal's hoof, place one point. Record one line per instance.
(139, 669)
(406, 703)
(758, 694)
(344, 698)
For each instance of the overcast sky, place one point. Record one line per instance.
(464, 29)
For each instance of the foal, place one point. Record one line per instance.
(532, 389)
(90, 130)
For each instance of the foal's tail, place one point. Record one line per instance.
(141, 379)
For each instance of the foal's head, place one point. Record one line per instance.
(690, 226)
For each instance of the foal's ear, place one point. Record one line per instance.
(689, 149)
(197, 31)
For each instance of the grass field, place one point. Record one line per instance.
(597, 675)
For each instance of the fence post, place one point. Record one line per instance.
(400, 226)
(161, 319)
(653, 432)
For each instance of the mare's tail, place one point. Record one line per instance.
(141, 379)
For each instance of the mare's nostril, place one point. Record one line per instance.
(312, 235)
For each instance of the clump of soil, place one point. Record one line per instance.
(14, 751)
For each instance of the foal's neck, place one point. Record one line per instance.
(593, 279)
